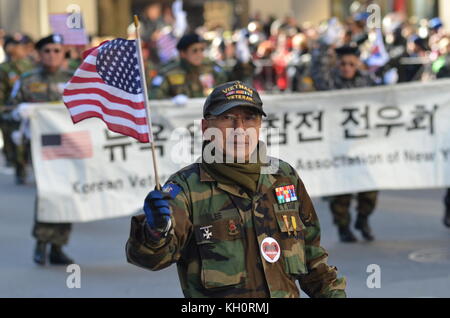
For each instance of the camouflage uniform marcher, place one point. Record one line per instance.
(42, 86)
(326, 77)
(39, 86)
(181, 78)
(192, 76)
(10, 72)
(219, 230)
(230, 265)
(36, 86)
(329, 78)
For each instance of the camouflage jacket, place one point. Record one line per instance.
(217, 235)
(40, 86)
(181, 78)
(10, 72)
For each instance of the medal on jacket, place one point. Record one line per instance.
(270, 250)
(286, 194)
(206, 232)
(232, 228)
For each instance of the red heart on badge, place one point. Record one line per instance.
(271, 249)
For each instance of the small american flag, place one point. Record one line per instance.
(167, 47)
(108, 86)
(76, 145)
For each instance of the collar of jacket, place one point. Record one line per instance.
(45, 71)
(268, 180)
(358, 74)
(20, 66)
(188, 66)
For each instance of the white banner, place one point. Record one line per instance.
(395, 137)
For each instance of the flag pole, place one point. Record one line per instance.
(146, 102)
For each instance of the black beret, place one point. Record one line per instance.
(347, 50)
(17, 39)
(187, 40)
(53, 38)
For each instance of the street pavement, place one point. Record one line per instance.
(412, 251)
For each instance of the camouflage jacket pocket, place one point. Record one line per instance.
(292, 237)
(222, 253)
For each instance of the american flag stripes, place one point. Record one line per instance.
(108, 86)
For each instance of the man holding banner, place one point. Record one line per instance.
(44, 84)
(347, 75)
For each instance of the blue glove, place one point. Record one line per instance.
(157, 211)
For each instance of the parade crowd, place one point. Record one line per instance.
(275, 56)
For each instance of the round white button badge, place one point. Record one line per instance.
(270, 250)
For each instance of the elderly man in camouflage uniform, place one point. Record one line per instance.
(10, 71)
(345, 76)
(192, 76)
(45, 84)
(235, 229)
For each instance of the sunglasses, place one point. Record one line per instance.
(50, 51)
(198, 50)
(343, 64)
(249, 120)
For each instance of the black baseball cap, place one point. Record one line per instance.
(187, 40)
(231, 95)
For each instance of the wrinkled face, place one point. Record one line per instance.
(52, 56)
(194, 54)
(348, 66)
(235, 132)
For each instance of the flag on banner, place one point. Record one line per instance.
(73, 33)
(76, 145)
(108, 86)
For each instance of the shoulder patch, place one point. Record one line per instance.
(30, 73)
(38, 87)
(172, 189)
(15, 89)
(177, 79)
(157, 80)
(217, 69)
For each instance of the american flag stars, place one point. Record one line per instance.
(118, 66)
